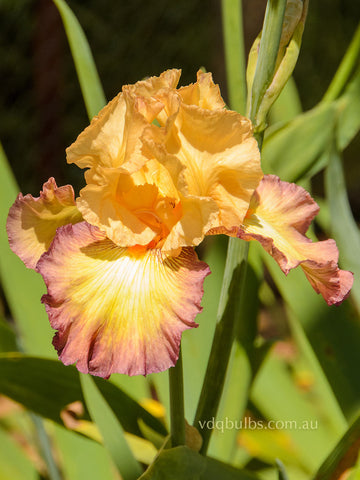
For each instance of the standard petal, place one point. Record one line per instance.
(279, 216)
(112, 138)
(154, 96)
(198, 215)
(131, 207)
(219, 159)
(204, 93)
(32, 222)
(118, 310)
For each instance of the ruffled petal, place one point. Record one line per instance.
(112, 138)
(131, 207)
(32, 222)
(218, 158)
(204, 93)
(198, 215)
(118, 310)
(279, 216)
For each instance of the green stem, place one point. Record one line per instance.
(228, 313)
(268, 52)
(346, 67)
(177, 413)
(234, 53)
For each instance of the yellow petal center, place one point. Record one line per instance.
(157, 211)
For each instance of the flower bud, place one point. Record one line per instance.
(289, 47)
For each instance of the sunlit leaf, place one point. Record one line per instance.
(111, 430)
(293, 149)
(332, 332)
(14, 464)
(88, 77)
(91, 461)
(196, 343)
(47, 387)
(288, 105)
(277, 397)
(181, 463)
(343, 456)
(343, 226)
(349, 112)
(7, 337)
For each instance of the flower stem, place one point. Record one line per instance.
(177, 420)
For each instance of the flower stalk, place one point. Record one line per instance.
(177, 416)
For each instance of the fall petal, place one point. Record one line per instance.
(278, 217)
(118, 310)
(328, 280)
(32, 222)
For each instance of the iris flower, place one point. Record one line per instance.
(165, 167)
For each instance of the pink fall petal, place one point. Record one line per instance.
(118, 310)
(278, 217)
(32, 222)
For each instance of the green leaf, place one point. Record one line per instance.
(196, 343)
(288, 104)
(13, 462)
(332, 332)
(23, 287)
(181, 463)
(215, 470)
(47, 386)
(297, 148)
(225, 333)
(293, 149)
(91, 461)
(234, 400)
(234, 53)
(7, 337)
(343, 226)
(243, 359)
(349, 112)
(111, 430)
(84, 63)
(343, 456)
(281, 470)
(277, 397)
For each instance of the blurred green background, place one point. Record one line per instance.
(42, 110)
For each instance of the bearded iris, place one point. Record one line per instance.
(165, 167)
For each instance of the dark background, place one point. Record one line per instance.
(42, 110)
